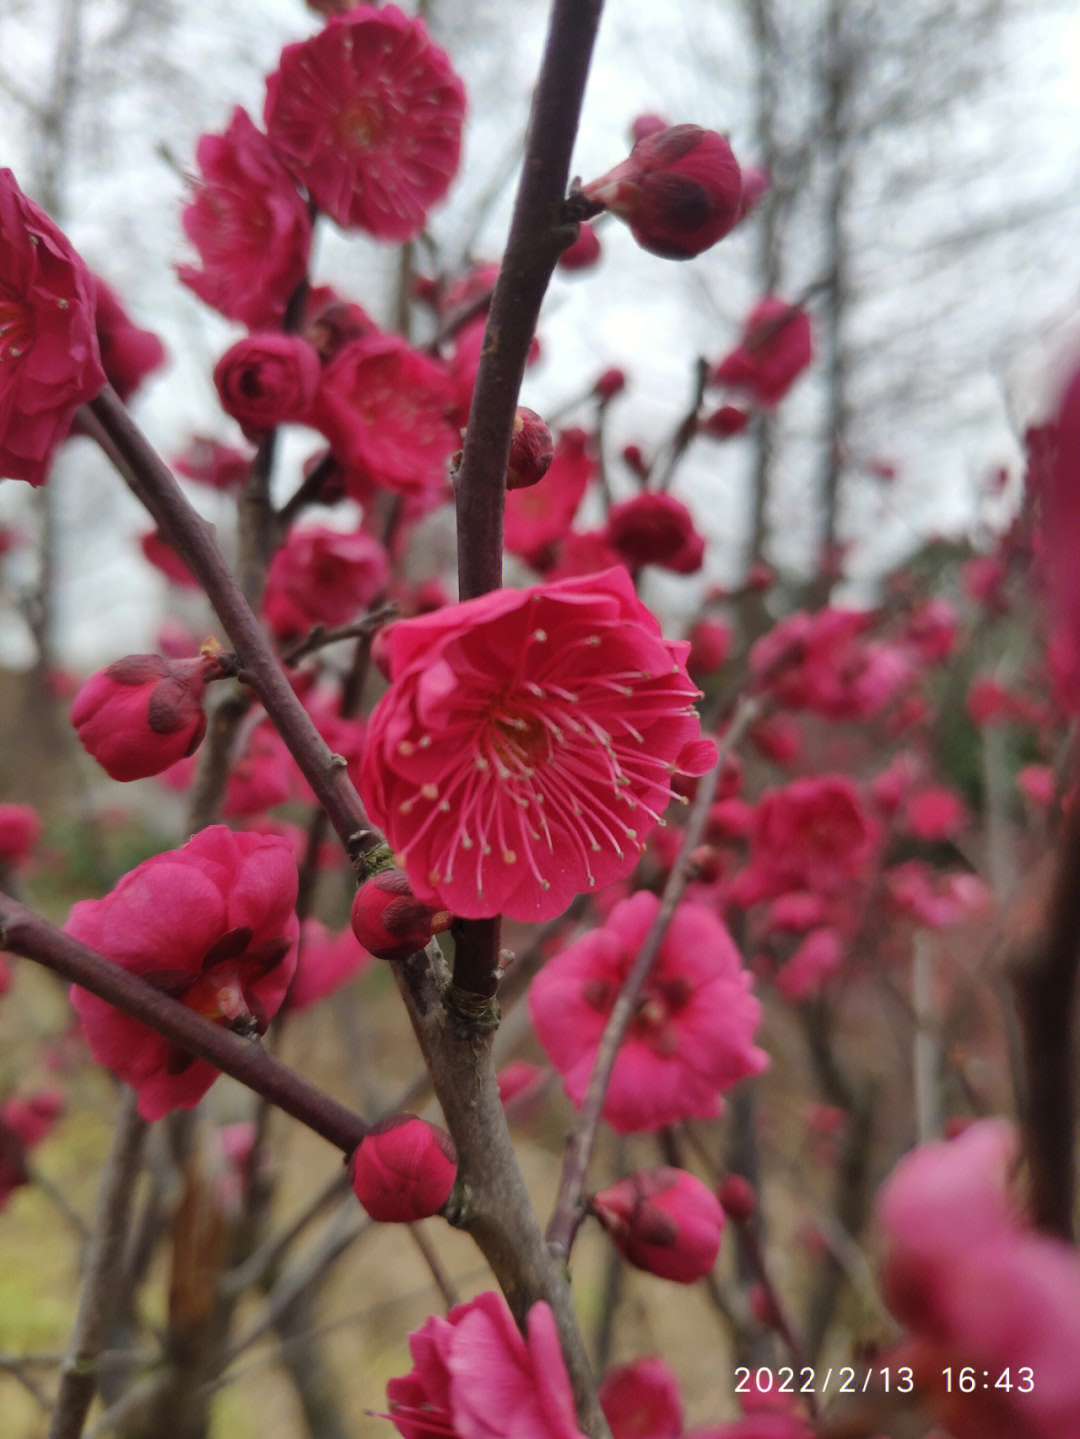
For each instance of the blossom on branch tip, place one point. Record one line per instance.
(528, 743)
(142, 713)
(665, 1221)
(679, 191)
(50, 360)
(691, 1035)
(211, 924)
(476, 1376)
(404, 1169)
(367, 115)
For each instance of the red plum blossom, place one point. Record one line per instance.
(777, 345)
(404, 1169)
(665, 1221)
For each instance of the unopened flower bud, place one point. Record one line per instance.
(388, 919)
(531, 450)
(738, 1198)
(19, 831)
(266, 380)
(144, 712)
(665, 1221)
(679, 191)
(583, 253)
(728, 420)
(403, 1170)
(611, 383)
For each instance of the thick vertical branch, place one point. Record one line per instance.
(538, 235)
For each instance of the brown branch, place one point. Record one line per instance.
(108, 422)
(569, 1208)
(25, 933)
(539, 232)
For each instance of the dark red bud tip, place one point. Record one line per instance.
(531, 450)
(665, 1221)
(143, 713)
(388, 919)
(404, 1169)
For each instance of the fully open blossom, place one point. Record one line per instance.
(368, 114)
(975, 1286)
(475, 1376)
(267, 380)
(50, 363)
(142, 713)
(322, 576)
(691, 1036)
(540, 514)
(777, 344)
(823, 662)
(249, 224)
(679, 191)
(211, 924)
(527, 744)
(383, 405)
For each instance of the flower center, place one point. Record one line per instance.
(16, 331)
(363, 124)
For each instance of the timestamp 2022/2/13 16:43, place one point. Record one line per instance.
(880, 1379)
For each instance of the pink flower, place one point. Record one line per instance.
(382, 406)
(388, 919)
(267, 380)
(721, 424)
(536, 517)
(321, 576)
(816, 959)
(211, 924)
(143, 712)
(19, 831)
(976, 1287)
(776, 346)
(128, 354)
(936, 813)
(710, 645)
(367, 114)
(656, 529)
(665, 1221)
(325, 964)
(210, 463)
(933, 899)
(163, 557)
(527, 744)
(679, 191)
(404, 1169)
(330, 322)
(476, 1377)
(249, 224)
(642, 1401)
(50, 363)
(24, 1123)
(1037, 783)
(821, 662)
(691, 1037)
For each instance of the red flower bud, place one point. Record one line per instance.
(403, 1170)
(738, 1198)
(388, 919)
(777, 345)
(583, 253)
(611, 383)
(143, 713)
(665, 1221)
(19, 830)
(728, 420)
(531, 450)
(656, 529)
(679, 191)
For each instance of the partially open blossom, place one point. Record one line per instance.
(367, 114)
(388, 919)
(50, 363)
(250, 225)
(322, 576)
(642, 1401)
(537, 516)
(776, 347)
(382, 405)
(476, 1376)
(142, 713)
(583, 253)
(19, 831)
(403, 1170)
(266, 380)
(665, 1221)
(211, 924)
(128, 354)
(691, 1036)
(975, 1286)
(679, 191)
(531, 450)
(656, 529)
(326, 963)
(527, 744)
(24, 1122)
